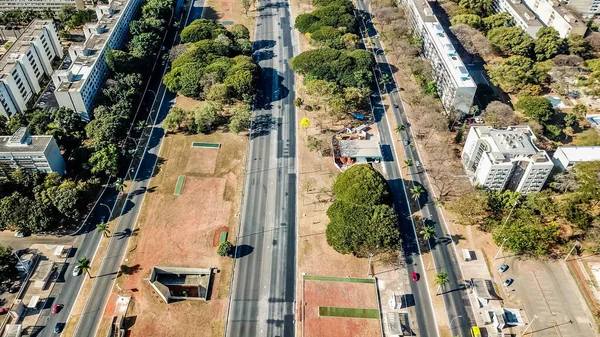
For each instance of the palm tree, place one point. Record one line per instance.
(120, 185)
(408, 162)
(84, 264)
(400, 128)
(416, 191)
(102, 227)
(428, 232)
(441, 279)
(141, 124)
(385, 79)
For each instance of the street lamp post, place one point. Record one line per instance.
(529, 325)
(452, 320)
(500, 248)
(369, 267)
(504, 224)
(570, 251)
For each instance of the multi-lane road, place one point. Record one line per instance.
(263, 292)
(456, 299)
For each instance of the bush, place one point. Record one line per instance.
(225, 248)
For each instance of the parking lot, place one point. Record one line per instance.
(546, 290)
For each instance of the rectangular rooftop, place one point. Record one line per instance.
(21, 45)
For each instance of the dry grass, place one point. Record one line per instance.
(231, 10)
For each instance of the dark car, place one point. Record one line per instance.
(503, 268)
(58, 328)
(57, 308)
(14, 289)
(508, 282)
(415, 276)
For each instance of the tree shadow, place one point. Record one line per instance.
(129, 270)
(157, 167)
(261, 126)
(457, 237)
(243, 250)
(263, 44)
(127, 232)
(261, 55)
(267, 94)
(273, 5)
(210, 13)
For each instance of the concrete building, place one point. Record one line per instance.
(566, 157)
(587, 9)
(25, 64)
(39, 5)
(30, 153)
(531, 15)
(455, 86)
(505, 159)
(77, 86)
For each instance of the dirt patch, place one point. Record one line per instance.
(187, 103)
(339, 294)
(201, 160)
(217, 236)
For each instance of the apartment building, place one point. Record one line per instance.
(30, 153)
(39, 5)
(77, 86)
(587, 9)
(531, 15)
(505, 159)
(455, 86)
(25, 64)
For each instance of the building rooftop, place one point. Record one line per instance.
(515, 141)
(22, 141)
(21, 45)
(525, 13)
(442, 43)
(73, 78)
(359, 149)
(579, 153)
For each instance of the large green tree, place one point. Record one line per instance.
(547, 44)
(511, 40)
(514, 73)
(502, 19)
(8, 262)
(536, 107)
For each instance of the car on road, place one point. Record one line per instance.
(58, 328)
(57, 308)
(508, 282)
(406, 142)
(503, 268)
(415, 276)
(14, 288)
(19, 234)
(3, 311)
(76, 271)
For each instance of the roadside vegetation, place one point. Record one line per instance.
(8, 262)
(214, 65)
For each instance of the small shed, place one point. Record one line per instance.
(359, 150)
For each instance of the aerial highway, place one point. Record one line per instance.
(263, 287)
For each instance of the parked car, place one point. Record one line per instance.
(503, 268)
(406, 142)
(58, 328)
(3, 311)
(508, 282)
(415, 276)
(57, 308)
(19, 234)
(14, 288)
(76, 271)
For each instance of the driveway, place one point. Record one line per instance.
(7, 238)
(547, 290)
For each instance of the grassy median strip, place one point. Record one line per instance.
(348, 312)
(179, 185)
(339, 279)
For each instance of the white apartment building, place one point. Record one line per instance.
(77, 86)
(25, 64)
(529, 14)
(30, 153)
(566, 157)
(587, 9)
(505, 159)
(455, 86)
(39, 5)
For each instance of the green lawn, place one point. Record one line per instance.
(348, 312)
(338, 279)
(179, 185)
(209, 145)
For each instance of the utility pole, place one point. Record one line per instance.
(570, 251)
(504, 224)
(21, 262)
(500, 248)
(369, 267)
(529, 325)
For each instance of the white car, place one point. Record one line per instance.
(76, 271)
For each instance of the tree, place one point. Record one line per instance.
(400, 128)
(513, 73)
(246, 6)
(105, 160)
(225, 248)
(441, 279)
(8, 262)
(175, 118)
(511, 40)
(538, 108)
(479, 7)
(578, 45)
(201, 29)
(471, 20)
(102, 227)
(428, 232)
(589, 137)
(207, 117)
(416, 191)
(502, 19)
(579, 110)
(470, 208)
(473, 41)
(499, 115)
(240, 121)
(526, 234)
(408, 162)
(240, 31)
(119, 185)
(305, 124)
(593, 40)
(15, 122)
(547, 43)
(144, 46)
(85, 265)
(120, 61)
(351, 41)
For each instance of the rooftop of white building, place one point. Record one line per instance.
(87, 54)
(515, 141)
(443, 44)
(526, 14)
(21, 45)
(576, 154)
(22, 141)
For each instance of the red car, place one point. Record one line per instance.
(3, 311)
(415, 276)
(56, 308)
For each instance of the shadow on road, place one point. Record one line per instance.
(243, 250)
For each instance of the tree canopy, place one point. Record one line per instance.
(514, 73)
(511, 40)
(334, 13)
(536, 107)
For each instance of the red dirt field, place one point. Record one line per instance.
(339, 294)
(217, 236)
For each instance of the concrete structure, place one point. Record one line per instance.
(77, 86)
(181, 283)
(587, 9)
(455, 86)
(13, 330)
(39, 5)
(505, 159)
(25, 262)
(567, 156)
(30, 153)
(531, 15)
(24, 65)
(361, 151)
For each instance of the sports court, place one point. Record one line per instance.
(339, 306)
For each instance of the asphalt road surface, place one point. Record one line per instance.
(262, 301)
(127, 226)
(455, 296)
